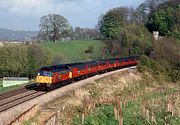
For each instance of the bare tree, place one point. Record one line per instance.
(85, 33)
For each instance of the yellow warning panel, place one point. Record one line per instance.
(44, 79)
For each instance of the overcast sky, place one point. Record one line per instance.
(26, 14)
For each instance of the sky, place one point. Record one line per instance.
(26, 14)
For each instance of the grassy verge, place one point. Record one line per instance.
(74, 51)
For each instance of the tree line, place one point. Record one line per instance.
(155, 15)
(166, 19)
(126, 30)
(23, 60)
(54, 27)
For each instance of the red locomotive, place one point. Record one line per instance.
(58, 75)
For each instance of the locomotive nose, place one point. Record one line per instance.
(43, 79)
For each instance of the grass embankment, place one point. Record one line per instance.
(74, 51)
(137, 98)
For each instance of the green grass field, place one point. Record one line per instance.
(74, 51)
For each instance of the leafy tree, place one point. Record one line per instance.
(85, 33)
(152, 5)
(54, 27)
(37, 58)
(124, 32)
(111, 23)
(165, 19)
(23, 60)
(141, 13)
(133, 40)
(161, 21)
(13, 61)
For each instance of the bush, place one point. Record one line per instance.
(131, 41)
(13, 60)
(146, 62)
(167, 49)
(37, 58)
(89, 50)
(103, 115)
(166, 53)
(149, 65)
(159, 69)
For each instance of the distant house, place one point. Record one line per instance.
(15, 42)
(156, 35)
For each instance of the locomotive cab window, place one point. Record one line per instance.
(44, 73)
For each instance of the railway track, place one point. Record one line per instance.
(29, 93)
(15, 97)
(17, 91)
(18, 96)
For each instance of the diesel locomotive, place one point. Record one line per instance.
(58, 75)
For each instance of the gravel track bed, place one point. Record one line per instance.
(17, 91)
(15, 97)
(20, 100)
(12, 93)
(9, 115)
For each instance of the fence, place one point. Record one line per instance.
(26, 115)
(52, 120)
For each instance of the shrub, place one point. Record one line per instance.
(89, 50)
(103, 115)
(160, 69)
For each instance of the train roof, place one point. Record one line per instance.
(59, 67)
(62, 67)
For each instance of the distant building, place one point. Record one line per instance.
(15, 42)
(11, 81)
(1, 44)
(156, 35)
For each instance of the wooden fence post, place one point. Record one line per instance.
(115, 113)
(83, 118)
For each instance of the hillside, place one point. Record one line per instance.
(26, 60)
(131, 97)
(6, 34)
(74, 51)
